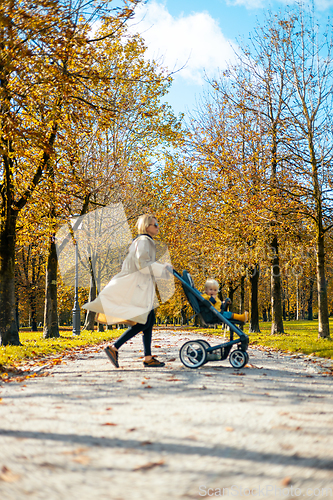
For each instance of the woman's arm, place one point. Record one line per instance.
(145, 261)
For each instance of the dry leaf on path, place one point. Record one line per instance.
(8, 476)
(149, 465)
(82, 459)
(229, 429)
(109, 423)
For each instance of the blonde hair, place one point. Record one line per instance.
(211, 282)
(144, 222)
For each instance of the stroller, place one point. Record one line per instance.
(196, 353)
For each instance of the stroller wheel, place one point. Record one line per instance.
(193, 354)
(238, 358)
(206, 345)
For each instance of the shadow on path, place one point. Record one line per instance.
(226, 452)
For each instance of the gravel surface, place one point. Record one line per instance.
(89, 431)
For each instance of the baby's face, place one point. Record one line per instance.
(211, 290)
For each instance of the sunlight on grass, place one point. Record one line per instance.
(35, 347)
(300, 336)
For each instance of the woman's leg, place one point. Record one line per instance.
(128, 334)
(147, 335)
(112, 350)
(149, 360)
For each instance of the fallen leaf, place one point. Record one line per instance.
(8, 476)
(286, 446)
(145, 443)
(286, 481)
(109, 423)
(149, 465)
(147, 387)
(229, 429)
(77, 451)
(82, 459)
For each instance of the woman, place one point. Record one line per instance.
(130, 295)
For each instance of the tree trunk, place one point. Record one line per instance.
(323, 323)
(310, 300)
(8, 326)
(17, 314)
(33, 309)
(297, 298)
(51, 325)
(242, 295)
(231, 290)
(264, 315)
(277, 319)
(254, 309)
(90, 316)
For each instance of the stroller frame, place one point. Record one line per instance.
(196, 353)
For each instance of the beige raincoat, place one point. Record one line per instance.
(130, 295)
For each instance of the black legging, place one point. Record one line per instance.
(146, 330)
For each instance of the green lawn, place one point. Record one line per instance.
(35, 347)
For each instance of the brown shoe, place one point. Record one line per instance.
(153, 362)
(112, 354)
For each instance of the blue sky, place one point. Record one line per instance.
(200, 35)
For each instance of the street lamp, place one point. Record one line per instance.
(76, 308)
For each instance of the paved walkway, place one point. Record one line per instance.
(91, 432)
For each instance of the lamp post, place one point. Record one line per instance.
(76, 308)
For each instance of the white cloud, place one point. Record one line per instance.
(195, 41)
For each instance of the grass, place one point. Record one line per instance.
(299, 337)
(35, 347)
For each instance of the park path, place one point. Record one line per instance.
(90, 432)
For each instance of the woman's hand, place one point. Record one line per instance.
(169, 267)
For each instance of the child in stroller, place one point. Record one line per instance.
(196, 353)
(211, 291)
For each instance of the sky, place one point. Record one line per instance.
(196, 38)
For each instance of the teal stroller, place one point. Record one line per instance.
(196, 353)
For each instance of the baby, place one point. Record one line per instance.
(211, 290)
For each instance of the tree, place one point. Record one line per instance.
(45, 56)
(309, 70)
